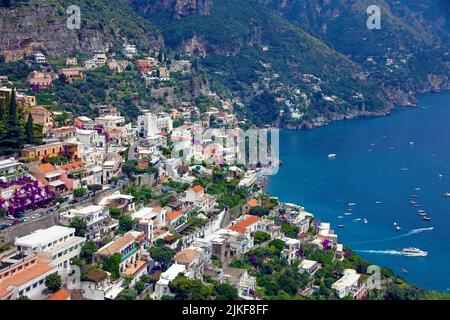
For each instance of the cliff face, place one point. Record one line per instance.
(44, 27)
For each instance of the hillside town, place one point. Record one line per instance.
(160, 207)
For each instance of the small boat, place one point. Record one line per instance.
(447, 194)
(405, 271)
(365, 220)
(422, 213)
(440, 175)
(357, 219)
(404, 169)
(411, 142)
(414, 252)
(418, 189)
(341, 226)
(415, 196)
(426, 218)
(340, 217)
(378, 202)
(413, 202)
(332, 155)
(352, 204)
(391, 148)
(348, 213)
(417, 205)
(397, 228)
(395, 223)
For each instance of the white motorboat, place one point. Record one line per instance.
(414, 252)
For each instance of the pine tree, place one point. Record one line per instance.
(29, 129)
(12, 136)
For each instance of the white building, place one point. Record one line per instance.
(129, 50)
(150, 124)
(162, 286)
(96, 218)
(90, 138)
(40, 58)
(58, 244)
(349, 285)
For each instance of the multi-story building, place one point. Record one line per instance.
(55, 149)
(42, 117)
(150, 124)
(97, 220)
(57, 244)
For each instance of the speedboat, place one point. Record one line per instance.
(365, 220)
(414, 252)
(405, 271)
(404, 169)
(378, 202)
(422, 213)
(395, 223)
(341, 226)
(426, 218)
(418, 189)
(332, 155)
(397, 228)
(340, 217)
(352, 204)
(348, 213)
(447, 194)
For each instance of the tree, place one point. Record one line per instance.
(261, 237)
(162, 254)
(79, 192)
(185, 289)
(115, 212)
(95, 187)
(225, 291)
(80, 226)
(87, 251)
(126, 223)
(23, 298)
(112, 265)
(12, 135)
(29, 129)
(127, 294)
(115, 180)
(139, 287)
(53, 282)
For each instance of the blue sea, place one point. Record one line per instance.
(367, 171)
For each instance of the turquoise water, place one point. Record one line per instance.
(367, 170)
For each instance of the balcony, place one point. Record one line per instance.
(129, 254)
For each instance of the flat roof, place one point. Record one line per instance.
(44, 235)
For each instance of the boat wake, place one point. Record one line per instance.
(390, 252)
(408, 234)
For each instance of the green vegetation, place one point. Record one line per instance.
(79, 225)
(53, 282)
(112, 265)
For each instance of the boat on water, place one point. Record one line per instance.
(391, 148)
(352, 204)
(414, 252)
(341, 226)
(415, 196)
(340, 217)
(447, 194)
(417, 189)
(378, 202)
(398, 228)
(332, 155)
(395, 224)
(426, 218)
(404, 169)
(422, 213)
(348, 213)
(405, 271)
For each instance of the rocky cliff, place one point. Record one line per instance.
(42, 26)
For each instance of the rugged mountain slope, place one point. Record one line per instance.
(242, 44)
(414, 34)
(43, 25)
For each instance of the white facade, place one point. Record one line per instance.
(95, 218)
(150, 124)
(162, 286)
(57, 243)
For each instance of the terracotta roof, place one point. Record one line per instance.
(173, 215)
(73, 165)
(252, 202)
(186, 256)
(116, 246)
(197, 188)
(46, 167)
(61, 294)
(23, 277)
(242, 226)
